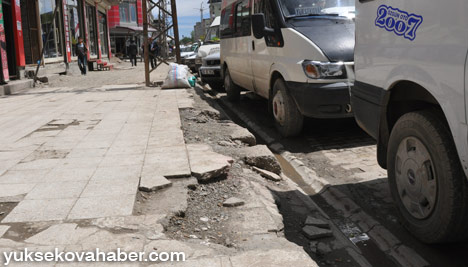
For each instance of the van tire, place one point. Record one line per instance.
(288, 119)
(232, 90)
(446, 219)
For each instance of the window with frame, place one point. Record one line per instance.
(243, 19)
(227, 22)
(127, 10)
(265, 7)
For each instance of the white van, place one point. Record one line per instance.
(298, 54)
(410, 94)
(210, 45)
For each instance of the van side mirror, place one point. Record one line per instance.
(259, 28)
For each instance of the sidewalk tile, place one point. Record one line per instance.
(98, 207)
(87, 152)
(40, 164)
(57, 190)
(23, 177)
(122, 160)
(76, 163)
(64, 174)
(112, 173)
(115, 187)
(40, 210)
(9, 190)
(168, 162)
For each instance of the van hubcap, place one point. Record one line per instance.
(415, 178)
(278, 108)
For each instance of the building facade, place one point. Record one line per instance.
(28, 26)
(125, 23)
(215, 8)
(200, 29)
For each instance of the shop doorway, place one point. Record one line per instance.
(10, 39)
(31, 31)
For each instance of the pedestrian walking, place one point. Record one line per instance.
(154, 50)
(82, 53)
(132, 52)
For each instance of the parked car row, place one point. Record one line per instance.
(400, 68)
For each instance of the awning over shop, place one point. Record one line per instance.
(130, 30)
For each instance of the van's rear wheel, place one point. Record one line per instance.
(426, 178)
(288, 118)
(232, 90)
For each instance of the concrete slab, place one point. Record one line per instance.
(61, 234)
(40, 164)
(115, 187)
(87, 152)
(112, 173)
(14, 87)
(57, 190)
(149, 183)
(63, 174)
(159, 139)
(206, 164)
(40, 210)
(9, 190)
(273, 258)
(3, 229)
(98, 207)
(167, 161)
(122, 160)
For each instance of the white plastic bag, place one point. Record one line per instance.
(177, 77)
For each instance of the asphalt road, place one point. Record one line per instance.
(330, 148)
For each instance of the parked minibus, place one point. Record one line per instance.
(410, 94)
(298, 54)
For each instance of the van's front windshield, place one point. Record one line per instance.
(212, 36)
(318, 8)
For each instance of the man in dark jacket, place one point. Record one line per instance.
(82, 53)
(132, 52)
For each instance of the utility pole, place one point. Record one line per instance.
(167, 20)
(145, 42)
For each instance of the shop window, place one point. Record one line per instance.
(127, 10)
(92, 30)
(103, 34)
(74, 22)
(53, 45)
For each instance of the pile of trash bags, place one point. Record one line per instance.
(179, 76)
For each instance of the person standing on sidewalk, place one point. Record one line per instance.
(132, 52)
(82, 53)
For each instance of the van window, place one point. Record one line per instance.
(243, 27)
(227, 22)
(301, 8)
(265, 7)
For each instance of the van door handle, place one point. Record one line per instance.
(253, 45)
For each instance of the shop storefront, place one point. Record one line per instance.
(12, 54)
(75, 24)
(28, 26)
(103, 34)
(51, 31)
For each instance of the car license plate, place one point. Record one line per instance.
(208, 72)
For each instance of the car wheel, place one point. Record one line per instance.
(288, 118)
(232, 90)
(426, 179)
(217, 86)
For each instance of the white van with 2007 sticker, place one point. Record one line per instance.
(410, 94)
(298, 54)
